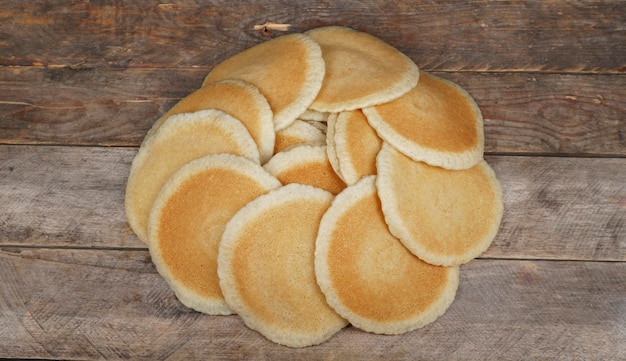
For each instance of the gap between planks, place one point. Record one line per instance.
(528, 71)
(16, 248)
(488, 154)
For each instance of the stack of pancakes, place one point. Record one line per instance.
(316, 180)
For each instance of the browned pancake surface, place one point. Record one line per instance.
(193, 220)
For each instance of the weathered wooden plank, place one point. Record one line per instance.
(472, 35)
(561, 206)
(81, 304)
(88, 106)
(64, 196)
(524, 113)
(555, 207)
(548, 114)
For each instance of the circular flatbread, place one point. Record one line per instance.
(266, 267)
(182, 138)
(288, 71)
(237, 98)
(356, 146)
(188, 218)
(437, 122)
(361, 70)
(298, 132)
(445, 217)
(305, 164)
(368, 276)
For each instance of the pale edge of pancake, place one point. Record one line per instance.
(228, 247)
(228, 123)
(408, 82)
(330, 145)
(340, 205)
(213, 161)
(314, 75)
(448, 160)
(400, 230)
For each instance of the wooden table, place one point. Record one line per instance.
(81, 83)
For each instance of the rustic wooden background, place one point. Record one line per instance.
(82, 81)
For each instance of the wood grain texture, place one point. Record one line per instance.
(550, 113)
(64, 196)
(81, 304)
(475, 35)
(569, 208)
(524, 113)
(89, 106)
(555, 207)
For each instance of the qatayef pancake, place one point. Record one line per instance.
(368, 276)
(445, 217)
(298, 132)
(188, 218)
(321, 125)
(239, 99)
(314, 115)
(356, 146)
(266, 267)
(437, 122)
(182, 138)
(305, 164)
(330, 145)
(288, 71)
(361, 70)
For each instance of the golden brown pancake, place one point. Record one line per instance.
(237, 98)
(437, 122)
(361, 70)
(445, 217)
(189, 217)
(288, 71)
(356, 146)
(298, 132)
(266, 267)
(182, 138)
(368, 276)
(305, 164)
